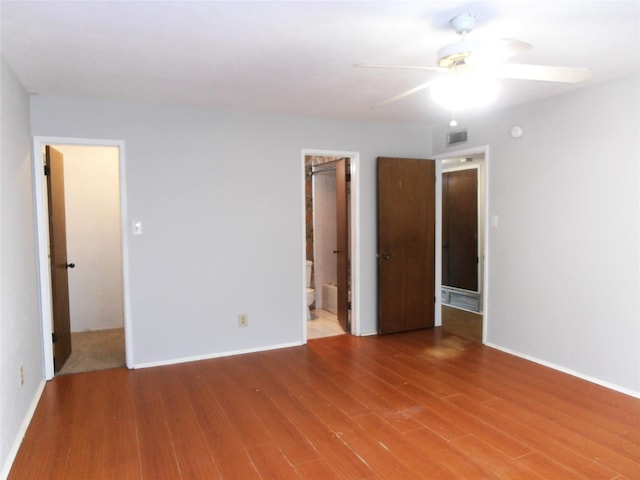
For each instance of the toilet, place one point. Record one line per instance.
(311, 293)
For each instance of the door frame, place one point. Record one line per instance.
(354, 235)
(42, 235)
(484, 185)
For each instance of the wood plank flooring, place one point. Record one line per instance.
(462, 323)
(418, 405)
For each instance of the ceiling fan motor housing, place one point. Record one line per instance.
(463, 23)
(454, 54)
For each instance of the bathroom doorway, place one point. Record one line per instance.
(328, 221)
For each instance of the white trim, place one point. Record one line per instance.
(437, 314)
(44, 274)
(568, 371)
(485, 265)
(485, 284)
(356, 326)
(210, 356)
(13, 451)
(42, 233)
(303, 253)
(354, 235)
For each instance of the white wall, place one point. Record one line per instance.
(564, 261)
(325, 224)
(92, 204)
(20, 341)
(220, 197)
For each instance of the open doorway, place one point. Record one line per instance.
(92, 203)
(329, 237)
(463, 226)
(93, 241)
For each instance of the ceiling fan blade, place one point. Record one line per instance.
(400, 67)
(509, 47)
(495, 52)
(404, 94)
(543, 73)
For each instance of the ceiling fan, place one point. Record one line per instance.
(470, 69)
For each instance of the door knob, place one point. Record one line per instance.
(70, 265)
(384, 256)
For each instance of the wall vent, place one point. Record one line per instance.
(455, 138)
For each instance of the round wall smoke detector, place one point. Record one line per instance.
(516, 132)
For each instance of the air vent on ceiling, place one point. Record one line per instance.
(454, 138)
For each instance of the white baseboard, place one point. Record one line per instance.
(11, 456)
(568, 371)
(368, 334)
(215, 355)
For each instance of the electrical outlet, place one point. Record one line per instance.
(243, 320)
(21, 375)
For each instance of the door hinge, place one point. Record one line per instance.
(348, 177)
(348, 305)
(54, 337)
(46, 170)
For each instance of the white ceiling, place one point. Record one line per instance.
(297, 57)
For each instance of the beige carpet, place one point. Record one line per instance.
(96, 350)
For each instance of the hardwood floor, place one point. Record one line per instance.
(418, 405)
(462, 322)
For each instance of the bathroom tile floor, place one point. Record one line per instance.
(323, 324)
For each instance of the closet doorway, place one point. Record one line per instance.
(96, 294)
(463, 212)
(91, 223)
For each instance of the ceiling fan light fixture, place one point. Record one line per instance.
(461, 92)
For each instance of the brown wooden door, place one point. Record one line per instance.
(406, 244)
(58, 257)
(342, 250)
(460, 229)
